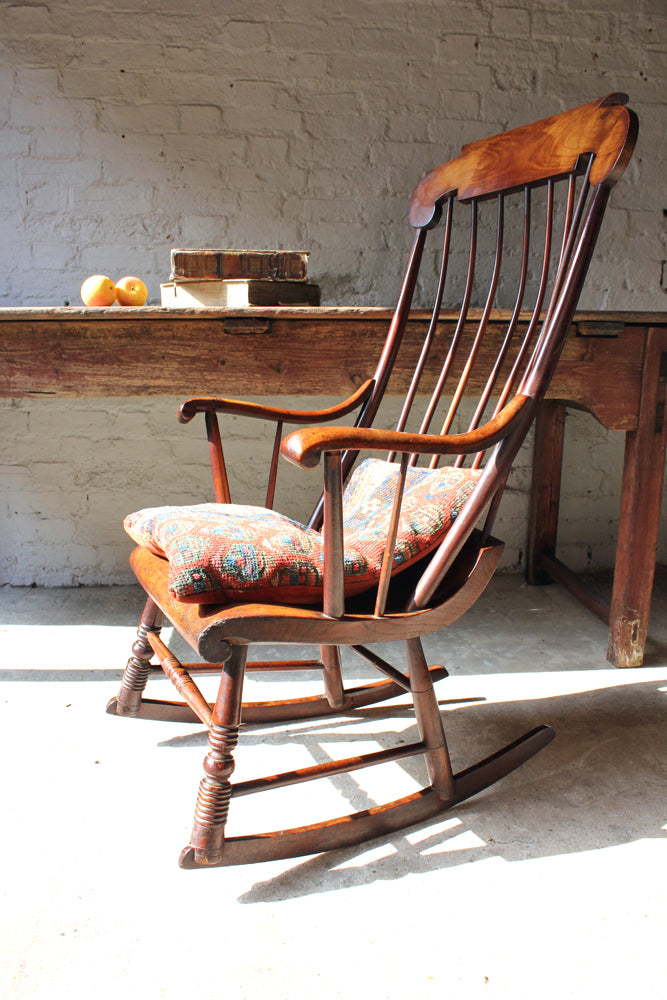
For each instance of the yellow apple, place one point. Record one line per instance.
(131, 291)
(98, 290)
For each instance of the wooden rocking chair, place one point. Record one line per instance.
(404, 548)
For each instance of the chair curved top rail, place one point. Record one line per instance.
(531, 154)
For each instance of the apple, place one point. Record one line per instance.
(98, 290)
(131, 291)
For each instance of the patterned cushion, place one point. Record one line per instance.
(226, 552)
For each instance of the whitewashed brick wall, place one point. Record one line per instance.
(128, 129)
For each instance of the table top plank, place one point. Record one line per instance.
(149, 351)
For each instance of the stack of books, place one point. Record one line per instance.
(238, 278)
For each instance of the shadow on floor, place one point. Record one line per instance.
(601, 783)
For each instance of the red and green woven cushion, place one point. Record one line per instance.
(226, 552)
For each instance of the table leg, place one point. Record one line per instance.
(641, 496)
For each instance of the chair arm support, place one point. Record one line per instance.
(305, 447)
(211, 404)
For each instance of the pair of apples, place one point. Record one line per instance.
(98, 290)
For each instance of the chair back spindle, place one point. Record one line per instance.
(273, 468)
(217, 458)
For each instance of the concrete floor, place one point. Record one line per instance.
(551, 883)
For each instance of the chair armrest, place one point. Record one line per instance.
(305, 447)
(211, 404)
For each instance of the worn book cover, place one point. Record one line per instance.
(183, 295)
(258, 265)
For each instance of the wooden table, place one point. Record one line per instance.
(614, 365)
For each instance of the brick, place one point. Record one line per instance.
(592, 55)
(200, 230)
(121, 54)
(252, 94)
(56, 256)
(183, 60)
(124, 119)
(310, 36)
(13, 202)
(521, 65)
(107, 84)
(200, 119)
(653, 9)
(36, 83)
(510, 22)
(57, 145)
(262, 119)
(457, 17)
(560, 23)
(375, 39)
(245, 36)
(269, 152)
(25, 112)
(40, 49)
(354, 66)
(48, 199)
(33, 171)
(305, 66)
(656, 62)
(19, 20)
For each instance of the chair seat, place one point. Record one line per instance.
(227, 552)
(208, 627)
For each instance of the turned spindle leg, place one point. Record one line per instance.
(138, 666)
(429, 720)
(215, 790)
(333, 681)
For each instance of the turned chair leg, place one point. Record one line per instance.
(138, 666)
(333, 680)
(215, 790)
(429, 720)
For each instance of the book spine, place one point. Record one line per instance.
(211, 265)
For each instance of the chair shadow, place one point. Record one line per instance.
(599, 784)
